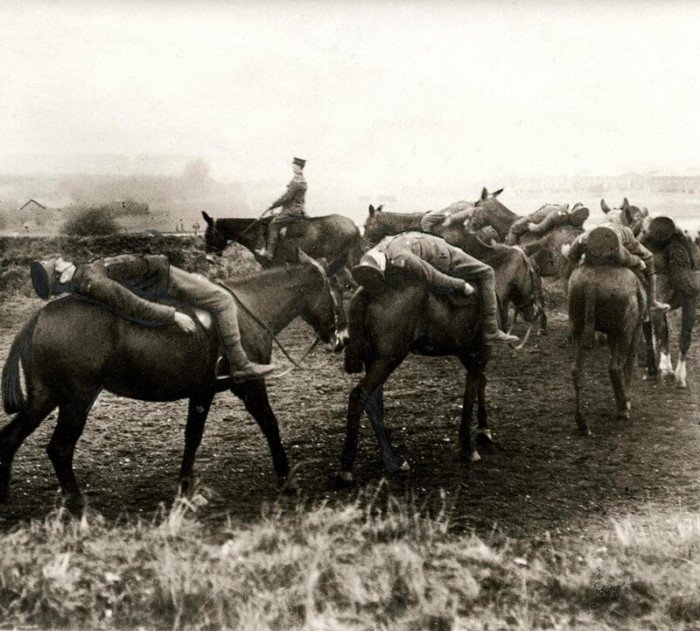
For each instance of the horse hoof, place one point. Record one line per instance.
(623, 415)
(484, 438)
(404, 467)
(584, 430)
(289, 487)
(75, 505)
(474, 456)
(345, 478)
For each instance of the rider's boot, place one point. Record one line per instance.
(242, 369)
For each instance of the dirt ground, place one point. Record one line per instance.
(540, 476)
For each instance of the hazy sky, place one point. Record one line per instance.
(373, 92)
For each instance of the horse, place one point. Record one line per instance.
(407, 317)
(544, 251)
(517, 281)
(668, 278)
(150, 364)
(611, 300)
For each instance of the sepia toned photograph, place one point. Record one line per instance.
(349, 315)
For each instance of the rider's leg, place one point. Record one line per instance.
(273, 235)
(517, 229)
(471, 269)
(199, 291)
(553, 218)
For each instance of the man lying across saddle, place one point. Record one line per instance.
(439, 265)
(130, 284)
(458, 212)
(677, 279)
(615, 244)
(291, 206)
(546, 218)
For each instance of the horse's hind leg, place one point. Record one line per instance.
(665, 364)
(38, 406)
(687, 322)
(374, 407)
(72, 414)
(197, 412)
(254, 396)
(576, 374)
(468, 452)
(619, 346)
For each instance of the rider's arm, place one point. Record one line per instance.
(680, 269)
(415, 267)
(635, 247)
(91, 283)
(288, 196)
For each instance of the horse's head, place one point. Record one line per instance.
(214, 240)
(321, 303)
(627, 215)
(376, 227)
(485, 208)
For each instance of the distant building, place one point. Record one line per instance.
(32, 206)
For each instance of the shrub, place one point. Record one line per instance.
(90, 221)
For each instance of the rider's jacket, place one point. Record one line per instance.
(292, 202)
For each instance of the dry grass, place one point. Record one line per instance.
(351, 567)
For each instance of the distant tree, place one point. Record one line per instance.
(85, 222)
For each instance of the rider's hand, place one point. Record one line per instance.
(468, 289)
(185, 322)
(642, 265)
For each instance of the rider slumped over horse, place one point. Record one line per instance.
(291, 206)
(439, 265)
(131, 283)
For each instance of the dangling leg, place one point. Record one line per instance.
(72, 415)
(199, 291)
(618, 346)
(273, 235)
(662, 336)
(197, 412)
(39, 405)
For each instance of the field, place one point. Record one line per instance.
(548, 530)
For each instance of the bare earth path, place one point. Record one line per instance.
(541, 476)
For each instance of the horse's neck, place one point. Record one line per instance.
(501, 218)
(274, 296)
(246, 236)
(394, 223)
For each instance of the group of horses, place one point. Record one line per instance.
(307, 278)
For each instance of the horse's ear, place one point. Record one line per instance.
(207, 218)
(484, 193)
(379, 208)
(627, 214)
(604, 206)
(625, 204)
(497, 193)
(371, 210)
(645, 212)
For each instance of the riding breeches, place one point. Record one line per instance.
(199, 291)
(476, 271)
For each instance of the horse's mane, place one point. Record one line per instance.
(263, 276)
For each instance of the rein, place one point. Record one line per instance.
(272, 335)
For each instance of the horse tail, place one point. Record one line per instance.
(354, 349)
(12, 395)
(589, 316)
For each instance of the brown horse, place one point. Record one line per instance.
(406, 317)
(610, 300)
(72, 349)
(517, 282)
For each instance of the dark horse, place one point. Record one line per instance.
(610, 300)
(333, 237)
(517, 282)
(72, 349)
(404, 318)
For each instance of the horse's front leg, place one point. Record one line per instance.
(254, 396)
(363, 397)
(468, 452)
(374, 407)
(197, 412)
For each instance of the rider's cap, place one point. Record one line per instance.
(299, 162)
(661, 229)
(369, 273)
(43, 274)
(578, 214)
